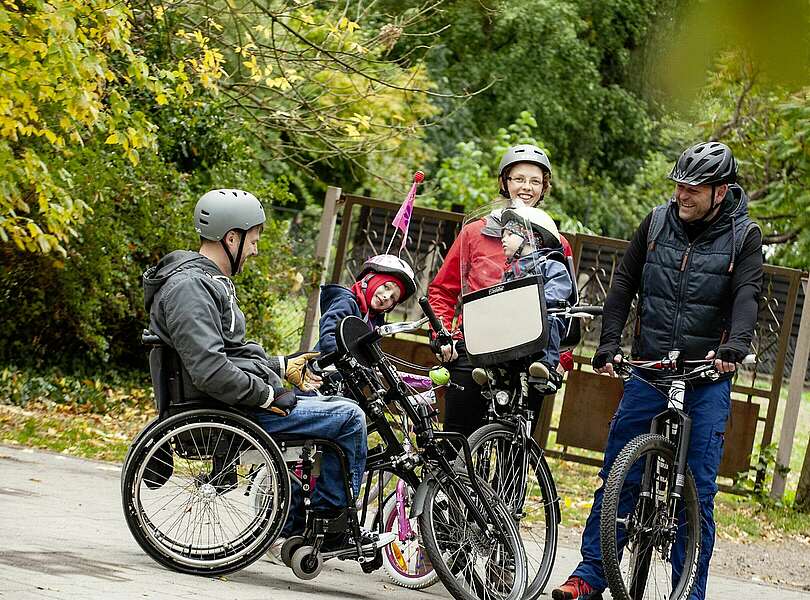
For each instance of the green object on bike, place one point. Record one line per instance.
(439, 376)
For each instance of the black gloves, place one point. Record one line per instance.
(283, 403)
(730, 354)
(604, 355)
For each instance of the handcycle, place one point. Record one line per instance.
(650, 498)
(466, 531)
(206, 491)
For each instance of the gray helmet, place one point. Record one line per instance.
(706, 163)
(219, 211)
(522, 153)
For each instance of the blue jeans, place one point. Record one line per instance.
(709, 406)
(331, 418)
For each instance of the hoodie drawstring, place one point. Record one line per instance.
(231, 291)
(733, 244)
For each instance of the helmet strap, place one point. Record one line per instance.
(234, 261)
(712, 205)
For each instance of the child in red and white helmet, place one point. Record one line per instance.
(384, 281)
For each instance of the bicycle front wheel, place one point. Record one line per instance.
(517, 470)
(473, 562)
(650, 541)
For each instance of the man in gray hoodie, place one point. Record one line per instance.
(193, 308)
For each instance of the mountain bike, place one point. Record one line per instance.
(650, 500)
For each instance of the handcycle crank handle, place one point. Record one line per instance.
(442, 335)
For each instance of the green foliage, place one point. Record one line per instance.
(565, 62)
(100, 393)
(768, 128)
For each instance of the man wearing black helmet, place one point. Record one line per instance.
(193, 308)
(696, 265)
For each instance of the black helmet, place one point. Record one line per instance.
(706, 163)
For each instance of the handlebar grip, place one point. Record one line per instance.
(327, 360)
(434, 320)
(589, 310)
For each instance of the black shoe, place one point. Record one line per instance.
(369, 540)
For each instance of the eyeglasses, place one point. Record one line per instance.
(535, 183)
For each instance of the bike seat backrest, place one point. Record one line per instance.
(573, 331)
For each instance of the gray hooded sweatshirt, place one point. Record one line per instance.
(193, 308)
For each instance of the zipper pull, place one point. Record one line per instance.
(685, 257)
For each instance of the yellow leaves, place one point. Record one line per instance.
(161, 99)
(347, 25)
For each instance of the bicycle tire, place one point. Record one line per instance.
(472, 564)
(638, 449)
(495, 441)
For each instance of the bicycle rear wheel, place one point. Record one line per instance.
(639, 531)
(528, 490)
(474, 563)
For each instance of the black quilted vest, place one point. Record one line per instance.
(686, 296)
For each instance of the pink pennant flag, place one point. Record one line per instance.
(403, 219)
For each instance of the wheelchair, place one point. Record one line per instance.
(206, 491)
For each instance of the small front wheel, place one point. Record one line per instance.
(405, 561)
(650, 541)
(305, 564)
(289, 547)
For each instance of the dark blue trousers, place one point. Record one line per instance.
(709, 406)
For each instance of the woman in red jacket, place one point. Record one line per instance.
(524, 177)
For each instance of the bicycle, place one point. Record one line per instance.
(506, 455)
(467, 532)
(650, 499)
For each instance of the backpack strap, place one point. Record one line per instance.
(659, 215)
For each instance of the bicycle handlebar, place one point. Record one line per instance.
(442, 335)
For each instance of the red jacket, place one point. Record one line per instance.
(485, 264)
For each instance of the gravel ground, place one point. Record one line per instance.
(785, 563)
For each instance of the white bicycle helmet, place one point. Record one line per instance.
(542, 224)
(393, 265)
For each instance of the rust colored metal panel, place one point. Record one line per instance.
(589, 403)
(740, 432)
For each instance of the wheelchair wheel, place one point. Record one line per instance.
(192, 498)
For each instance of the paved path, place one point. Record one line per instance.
(63, 535)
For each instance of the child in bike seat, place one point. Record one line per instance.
(531, 245)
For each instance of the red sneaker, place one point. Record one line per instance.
(575, 587)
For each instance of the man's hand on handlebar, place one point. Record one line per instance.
(299, 373)
(604, 359)
(721, 365)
